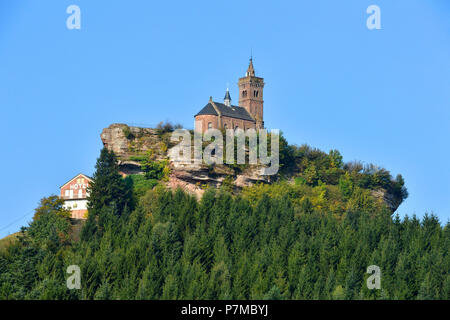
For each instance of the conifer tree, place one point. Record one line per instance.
(108, 188)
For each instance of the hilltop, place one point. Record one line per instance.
(293, 238)
(143, 154)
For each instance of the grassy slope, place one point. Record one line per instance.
(6, 241)
(76, 230)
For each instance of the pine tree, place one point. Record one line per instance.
(151, 283)
(104, 292)
(273, 294)
(170, 289)
(108, 188)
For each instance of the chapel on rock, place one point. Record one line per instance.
(249, 113)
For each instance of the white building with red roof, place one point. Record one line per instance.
(74, 193)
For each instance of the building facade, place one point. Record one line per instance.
(74, 193)
(249, 113)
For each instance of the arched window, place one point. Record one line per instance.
(209, 125)
(255, 93)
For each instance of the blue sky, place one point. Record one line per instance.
(380, 96)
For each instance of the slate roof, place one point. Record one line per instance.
(232, 112)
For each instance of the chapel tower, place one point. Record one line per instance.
(251, 95)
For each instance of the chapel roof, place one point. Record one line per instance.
(226, 111)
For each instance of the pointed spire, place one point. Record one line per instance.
(227, 99)
(250, 71)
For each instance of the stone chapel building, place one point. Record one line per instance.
(249, 113)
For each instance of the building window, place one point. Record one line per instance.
(71, 193)
(244, 93)
(67, 193)
(80, 193)
(255, 93)
(209, 125)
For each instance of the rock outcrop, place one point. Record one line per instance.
(129, 142)
(392, 202)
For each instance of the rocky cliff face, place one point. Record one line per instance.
(392, 202)
(128, 142)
